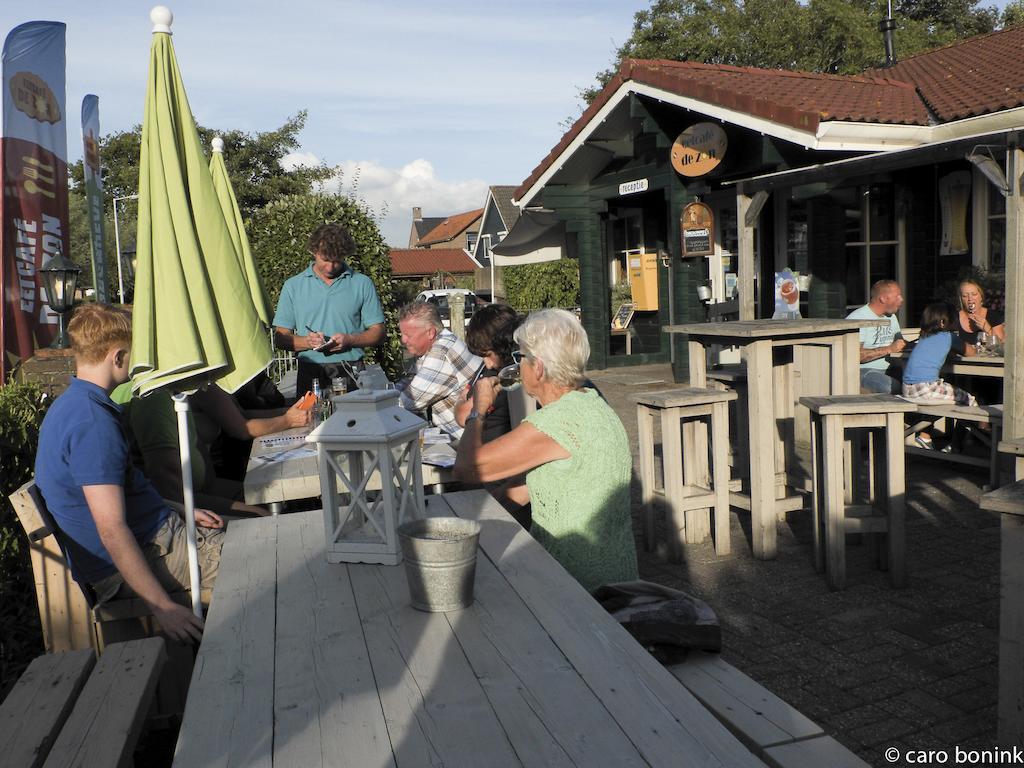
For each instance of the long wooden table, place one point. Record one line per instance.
(767, 348)
(975, 365)
(272, 480)
(303, 663)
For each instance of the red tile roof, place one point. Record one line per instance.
(450, 228)
(410, 262)
(797, 99)
(971, 77)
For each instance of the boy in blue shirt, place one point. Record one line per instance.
(121, 536)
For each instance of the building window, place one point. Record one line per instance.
(470, 241)
(871, 240)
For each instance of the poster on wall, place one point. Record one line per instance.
(697, 230)
(954, 194)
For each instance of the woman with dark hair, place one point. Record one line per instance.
(489, 336)
(921, 379)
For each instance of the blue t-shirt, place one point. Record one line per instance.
(875, 336)
(929, 355)
(348, 305)
(82, 442)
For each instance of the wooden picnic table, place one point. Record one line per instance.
(305, 663)
(283, 467)
(767, 348)
(989, 366)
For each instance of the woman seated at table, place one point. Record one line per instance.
(574, 453)
(489, 337)
(153, 425)
(976, 318)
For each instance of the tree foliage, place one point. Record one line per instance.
(551, 284)
(253, 161)
(279, 234)
(832, 36)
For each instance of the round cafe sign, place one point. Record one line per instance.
(699, 149)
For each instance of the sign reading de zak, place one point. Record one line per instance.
(697, 230)
(699, 149)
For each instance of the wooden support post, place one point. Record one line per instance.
(1011, 568)
(745, 232)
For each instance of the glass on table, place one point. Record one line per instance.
(510, 376)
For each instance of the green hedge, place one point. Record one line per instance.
(279, 234)
(21, 412)
(551, 284)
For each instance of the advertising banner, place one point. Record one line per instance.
(94, 192)
(33, 156)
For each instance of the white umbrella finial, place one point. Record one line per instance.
(218, 144)
(162, 18)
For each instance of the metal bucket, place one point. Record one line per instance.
(440, 562)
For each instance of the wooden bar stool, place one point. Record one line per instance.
(834, 462)
(688, 493)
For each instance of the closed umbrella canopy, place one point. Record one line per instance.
(194, 317)
(536, 237)
(236, 228)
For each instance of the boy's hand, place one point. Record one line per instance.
(208, 519)
(179, 622)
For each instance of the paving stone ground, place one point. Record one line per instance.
(914, 668)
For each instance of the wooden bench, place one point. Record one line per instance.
(975, 414)
(70, 617)
(769, 727)
(68, 709)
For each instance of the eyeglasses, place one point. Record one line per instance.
(518, 355)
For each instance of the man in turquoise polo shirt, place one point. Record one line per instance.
(328, 312)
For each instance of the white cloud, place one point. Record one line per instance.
(391, 193)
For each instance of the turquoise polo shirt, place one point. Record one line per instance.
(348, 305)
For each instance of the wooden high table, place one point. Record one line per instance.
(767, 348)
(304, 663)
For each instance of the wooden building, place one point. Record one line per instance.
(895, 173)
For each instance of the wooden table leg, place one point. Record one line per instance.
(834, 509)
(761, 425)
(896, 488)
(698, 365)
(720, 471)
(645, 436)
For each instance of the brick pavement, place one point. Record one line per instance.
(875, 667)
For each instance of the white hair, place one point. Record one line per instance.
(424, 313)
(557, 338)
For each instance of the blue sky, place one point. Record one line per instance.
(431, 102)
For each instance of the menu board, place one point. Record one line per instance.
(623, 316)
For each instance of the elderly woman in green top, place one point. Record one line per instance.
(573, 452)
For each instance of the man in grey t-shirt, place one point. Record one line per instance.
(878, 342)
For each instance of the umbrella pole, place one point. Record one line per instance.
(181, 407)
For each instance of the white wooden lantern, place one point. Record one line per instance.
(369, 433)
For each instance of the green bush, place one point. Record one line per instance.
(21, 412)
(279, 234)
(551, 284)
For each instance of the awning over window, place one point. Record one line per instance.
(538, 236)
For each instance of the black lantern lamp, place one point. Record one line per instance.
(60, 278)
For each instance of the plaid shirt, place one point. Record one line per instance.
(439, 380)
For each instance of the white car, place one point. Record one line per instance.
(439, 298)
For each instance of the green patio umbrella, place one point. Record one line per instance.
(194, 320)
(233, 217)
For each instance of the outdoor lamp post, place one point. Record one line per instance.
(369, 432)
(60, 278)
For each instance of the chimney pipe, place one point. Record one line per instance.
(886, 27)
(417, 214)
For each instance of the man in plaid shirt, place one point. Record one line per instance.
(444, 365)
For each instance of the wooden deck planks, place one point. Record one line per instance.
(665, 721)
(229, 718)
(37, 707)
(326, 707)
